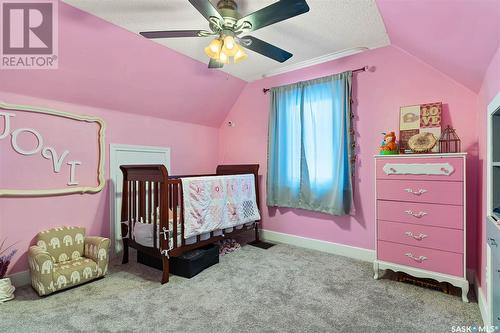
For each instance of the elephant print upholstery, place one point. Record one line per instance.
(64, 257)
(79, 238)
(55, 243)
(75, 255)
(47, 266)
(102, 254)
(68, 240)
(42, 245)
(61, 282)
(98, 252)
(87, 273)
(75, 277)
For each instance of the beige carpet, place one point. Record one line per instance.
(283, 289)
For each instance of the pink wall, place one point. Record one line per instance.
(105, 66)
(193, 150)
(399, 79)
(489, 89)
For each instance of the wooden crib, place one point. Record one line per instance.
(150, 194)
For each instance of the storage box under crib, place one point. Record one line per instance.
(187, 265)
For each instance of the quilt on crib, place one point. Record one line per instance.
(218, 202)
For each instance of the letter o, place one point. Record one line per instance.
(19, 149)
(434, 110)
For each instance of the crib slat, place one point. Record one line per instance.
(129, 202)
(175, 190)
(181, 202)
(149, 213)
(142, 201)
(155, 199)
(134, 206)
(151, 216)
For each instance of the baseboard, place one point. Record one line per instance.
(314, 244)
(483, 306)
(481, 299)
(20, 279)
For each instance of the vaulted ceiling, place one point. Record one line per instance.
(457, 37)
(103, 65)
(329, 27)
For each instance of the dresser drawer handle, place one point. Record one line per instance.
(417, 215)
(419, 192)
(445, 170)
(416, 237)
(417, 259)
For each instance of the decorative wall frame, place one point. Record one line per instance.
(70, 190)
(421, 118)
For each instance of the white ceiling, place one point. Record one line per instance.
(330, 26)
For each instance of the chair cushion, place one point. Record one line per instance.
(63, 243)
(73, 272)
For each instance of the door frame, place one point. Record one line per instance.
(493, 107)
(114, 150)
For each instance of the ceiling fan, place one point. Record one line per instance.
(228, 26)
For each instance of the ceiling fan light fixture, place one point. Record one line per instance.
(214, 48)
(240, 56)
(223, 58)
(230, 46)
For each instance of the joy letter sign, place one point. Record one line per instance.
(47, 152)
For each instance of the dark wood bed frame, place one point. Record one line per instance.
(146, 187)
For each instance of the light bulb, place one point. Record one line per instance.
(213, 49)
(240, 55)
(223, 57)
(230, 46)
(229, 42)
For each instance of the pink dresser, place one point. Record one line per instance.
(420, 214)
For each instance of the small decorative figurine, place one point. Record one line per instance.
(389, 146)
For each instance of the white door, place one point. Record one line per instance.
(127, 155)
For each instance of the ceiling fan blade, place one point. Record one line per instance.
(274, 13)
(265, 49)
(215, 64)
(172, 33)
(206, 9)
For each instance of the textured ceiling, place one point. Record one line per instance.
(330, 26)
(457, 37)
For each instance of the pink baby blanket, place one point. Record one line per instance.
(218, 202)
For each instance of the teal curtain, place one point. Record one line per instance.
(310, 146)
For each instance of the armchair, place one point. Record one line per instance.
(63, 257)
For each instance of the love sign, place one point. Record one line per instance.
(48, 152)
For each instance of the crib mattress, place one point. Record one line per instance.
(143, 233)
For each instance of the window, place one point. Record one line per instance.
(309, 151)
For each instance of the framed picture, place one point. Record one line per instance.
(415, 119)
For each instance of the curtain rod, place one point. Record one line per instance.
(362, 69)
